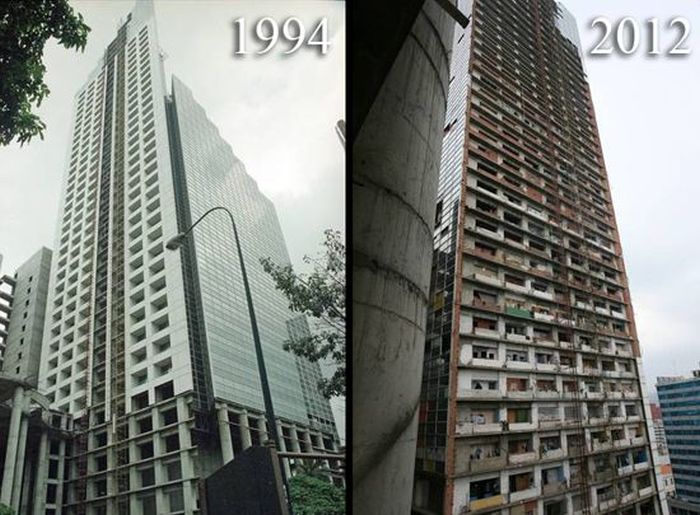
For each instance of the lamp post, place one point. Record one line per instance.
(175, 243)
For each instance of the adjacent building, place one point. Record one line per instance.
(662, 459)
(533, 400)
(28, 307)
(150, 351)
(27, 423)
(679, 398)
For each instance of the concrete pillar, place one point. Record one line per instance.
(283, 448)
(295, 439)
(8, 477)
(245, 429)
(19, 463)
(262, 429)
(225, 435)
(42, 465)
(397, 157)
(61, 468)
(26, 485)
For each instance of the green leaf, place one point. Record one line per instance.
(25, 27)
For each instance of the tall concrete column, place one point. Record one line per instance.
(243, 422)
(225, 435)
(27, 494)
(8, 477)
(295, 439)
(41, 474)
(396, 159)
(282, 447)
(61, 468)
(262, 429)
(19, 463)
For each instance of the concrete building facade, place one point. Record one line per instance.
(533, 400)
(679, 399)
(150, 351)
(29, 429)
(24, 336)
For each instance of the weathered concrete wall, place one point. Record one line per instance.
(396, 160)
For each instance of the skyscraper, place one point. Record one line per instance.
(149, 350)
(533, 399)
(680, 411)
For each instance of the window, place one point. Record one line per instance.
(175, 499)
(164, 391)
(146, 450)
(484, 488)
(173, 472)
(148, 478)
(148, 504)
(169, 416)
(172, 442)
(144, 425)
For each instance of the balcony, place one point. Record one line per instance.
(547, 367)
(469, 428)
(489, 333)
(487, 502)
(519, 394)
(517, 337)
(626, 469)
(628, 497)
(518, 312)
(523, 457)
(641, 466)
(547, 394)
(524, 494)
(541, 294)
(637, 440)
(472, 393)
(554, 488)
(487, 464)
(648, 490)
(519, 365)
(549, 422)
(543, 316)
(623, 442)
(488, 279)
(553, 454)
(607, 504)
(516, 287)
(546, 342)
(601, 446)
(483, 362)
(521, 426)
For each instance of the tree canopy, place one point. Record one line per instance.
(25, 27)
(319, 295)
(314, 496)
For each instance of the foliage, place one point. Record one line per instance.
(321, 296)
(6, 510)
(312, 468)
(314, 496)
(24, 29)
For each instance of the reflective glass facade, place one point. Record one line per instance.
(215, 177)
(680, 409)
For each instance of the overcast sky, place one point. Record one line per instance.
(648, 112)
(277, 112)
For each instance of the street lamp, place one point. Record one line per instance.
(175, 243)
